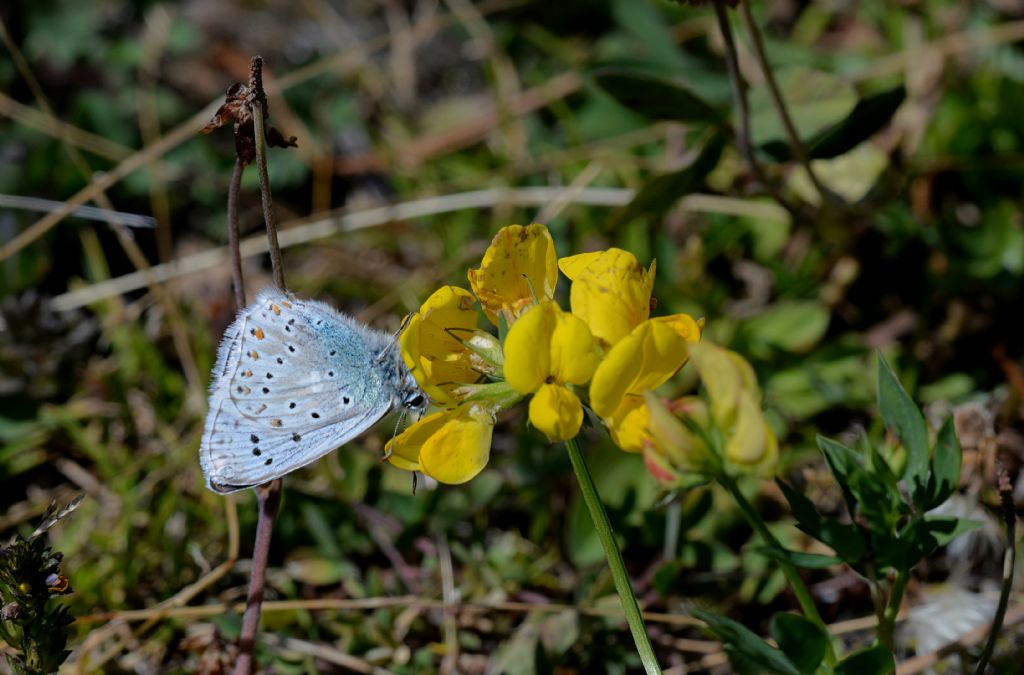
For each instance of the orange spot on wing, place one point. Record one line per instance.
(259, 333)
(276, 310)
(254, 355)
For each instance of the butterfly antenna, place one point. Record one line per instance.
(398, 428)
(394, 338)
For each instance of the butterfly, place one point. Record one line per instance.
(294, 380)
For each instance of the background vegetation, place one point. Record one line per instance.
(912, 108)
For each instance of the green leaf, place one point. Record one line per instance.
(655, 96)
(876, 490)
(813, 561)
(870, 115)
(946, 460)
(744, 647)
(845, 539)
(924, 535)
(904, 418)
(801, 640)
(817, 100)
(651, 31)
(789, 325)
(659, 194)
(851, 176)
(842, 462)
(875, 660)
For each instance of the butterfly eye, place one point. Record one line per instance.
(416, 400)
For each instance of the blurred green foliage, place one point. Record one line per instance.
(926, 265)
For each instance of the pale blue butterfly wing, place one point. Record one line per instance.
(294, 380)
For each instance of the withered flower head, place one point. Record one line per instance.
(238, 102)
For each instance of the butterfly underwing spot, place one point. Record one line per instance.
(330, 373)
(296, 437)
(315, 415)
(254, 355)
(291, 348)
(266, 390)
(275, 309)
(269, 461)
(276, 423)
(291, 406)
(333, 352)
(257, 333)
(254, 438)
(257, 452)
(247, 373)
(280, 360)
(270, 376)
(345, 400)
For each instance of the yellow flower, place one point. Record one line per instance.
(733, 409)
(643, 360)
(611, 291)
(451, 446)
(433, 346)
(519, 268)
(545, 350)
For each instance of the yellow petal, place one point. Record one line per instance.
(611, 291)
(573, 349)
(451, 446)
(684, 324)
(527, 348)
(629, 425)
(556, 412)
(519, 263)
(749, 442)
(573, 265)
(726, 375)
(403, 450)
(641, 361)
(430, 348)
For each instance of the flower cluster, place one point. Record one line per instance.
(607, 350)
(723, 433)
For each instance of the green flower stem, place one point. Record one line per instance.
(611, 551)
(803, 596)
(888, 619)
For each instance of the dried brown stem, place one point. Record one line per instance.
(739, 94)
(796, 145)
(269, 498)
(259, 104)
(269, 495)
(233, 238)
(1009, 560)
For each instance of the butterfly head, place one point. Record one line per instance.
(413, 398)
